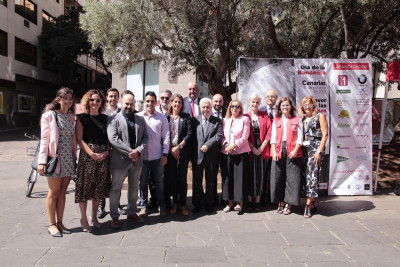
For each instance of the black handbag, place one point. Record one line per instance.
(51, 164)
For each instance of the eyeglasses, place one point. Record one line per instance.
(234, 106)
(270, 96)
(164, 98)
(95, 100)
(308, 106)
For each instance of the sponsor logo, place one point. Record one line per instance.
(363, 91)
(362, 79)
(305, 82)
(358, 187)
(341, 159)
(359, 112)
(362, 124)
(340, 102)
(346, 91)
(362, 157)
(362, 101)
(362, 147)
(343, 80)
(344, 113)
(343, 136)
(348, 171)
(367, 177)
(351, 66)
(343, 125)
(339, 146)
(366, 187)
(362, 135)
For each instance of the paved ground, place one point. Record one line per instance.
(348, 231)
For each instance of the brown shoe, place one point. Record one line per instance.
(134, 217)
(115, 223)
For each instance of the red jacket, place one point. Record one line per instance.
(291, 135)
(265, 132)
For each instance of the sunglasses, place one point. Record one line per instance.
(95, 100)
(308, 106)
(234, 106)
(164, 98)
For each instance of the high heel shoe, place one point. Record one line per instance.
(227, 209)
(281, 207)
(287, 209)
(62, 228)
(238, 208)
(307, 211)
(85, 229)
(54, 234)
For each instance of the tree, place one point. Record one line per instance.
(208, 36)
(65, 41)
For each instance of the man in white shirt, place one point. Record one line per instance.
(192, 100)
(112, 98)
(165, 98)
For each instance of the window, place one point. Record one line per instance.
(47, 20)
(3, 2)
(27, 9)
(25, 52)
(48, 62)
(3, 43)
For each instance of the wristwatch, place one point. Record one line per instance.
(165, 154)
(318, 151)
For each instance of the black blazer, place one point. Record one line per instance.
(212, 139)
(185, 132)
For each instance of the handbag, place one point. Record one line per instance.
(51, 164)
(397, 190)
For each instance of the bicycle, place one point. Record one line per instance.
(32, 178)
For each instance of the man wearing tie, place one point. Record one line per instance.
(208, 136)
(192, 100)
(218, 110)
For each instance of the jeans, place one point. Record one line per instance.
(158, 173)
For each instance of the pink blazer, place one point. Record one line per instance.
(265, 131)
(241, 134)
(49, 138)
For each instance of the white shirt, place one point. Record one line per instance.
(217, 114)
(188, 106)
(284, 135)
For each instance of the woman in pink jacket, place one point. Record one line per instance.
(58, 139)
(235, 161)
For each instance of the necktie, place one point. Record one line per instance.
(271, 113)
(193, 110)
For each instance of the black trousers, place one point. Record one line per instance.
(235, 182)
(211, 171)
(176, 179)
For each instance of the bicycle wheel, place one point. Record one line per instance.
(30, 182)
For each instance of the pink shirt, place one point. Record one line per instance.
(241, 132)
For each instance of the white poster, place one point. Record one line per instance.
(351, 127)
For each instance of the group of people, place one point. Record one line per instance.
(258, 153)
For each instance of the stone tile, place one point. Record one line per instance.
(375, 214)
(291, 225)
(256, 239)
(242, 226)
(138, 239)
(130, 256)
(332, 264)
(192, 226)
(352, 238)
(320, 253)
(21, 256)
(335, 224)
(373, 255)
(194, 239)
(380, 224)
(208, 265)
(73, 256)
(200, 255)
(310, 239)
(275, 264)
(256, 255)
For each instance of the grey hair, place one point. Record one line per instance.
(255, 95)
(205, 100)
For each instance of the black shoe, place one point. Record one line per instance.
(121, 211)
(210, 209)
(101, 213)
(152, 205)
(249, 205)
(196, 209)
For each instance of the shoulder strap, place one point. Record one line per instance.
(56, 117)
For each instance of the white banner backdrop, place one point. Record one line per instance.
(351, 127)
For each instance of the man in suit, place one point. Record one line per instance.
(208, 136)
(128, 136)
(191, 102)
(218, 110)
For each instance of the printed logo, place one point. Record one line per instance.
(359, 112)
(346, 91)
(362, 147)
(343, 80)
(362, 135)
(344, 113)
(363, 91)
(343, 136)
(349, 171)
(341, 159)
(362, 124)
(339, 146)
(366, 186)
(362, 79)
(362, 157)
(358, 187)
(348, 187)
(367, 177)
(362, 101)
(343, 125)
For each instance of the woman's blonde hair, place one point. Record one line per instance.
(313, 102)
(86, 97)
(229, 112)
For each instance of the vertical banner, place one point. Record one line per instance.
(351, 127)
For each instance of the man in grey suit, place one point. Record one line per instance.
(128, 136)
(207, 143)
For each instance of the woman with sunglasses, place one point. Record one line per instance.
(57, 139)
(315, 136)
(235, 161)
(93, 180)
(286, 140)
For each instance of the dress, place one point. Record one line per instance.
(93, 178)
(66, 131)
(258, 165)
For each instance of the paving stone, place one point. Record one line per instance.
(208, 265)
(139, 239)
(375, 213)
(73, 256)
(363, 238)
(199, 255)
(193, 239)
(335, 224)
(310, 239)
(257, 239)
(242, 226)
(193, 226)
(320, 253)
(133, 256)
(256, 255)
(21, 256)
(291, 225)
(373, 254)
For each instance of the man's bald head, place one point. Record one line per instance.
(193, 90)
(218, 102)
(271, 97)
